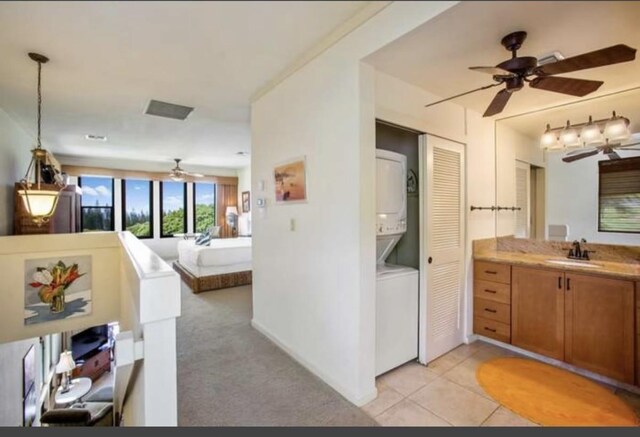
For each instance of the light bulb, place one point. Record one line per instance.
(617, 129)
(569, 137)
(590, 134)
(549, 140)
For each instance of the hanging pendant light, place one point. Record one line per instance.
(39, 202)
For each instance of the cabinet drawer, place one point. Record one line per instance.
(488, 271)
(488, 309)
(493, 291)
(491, 328)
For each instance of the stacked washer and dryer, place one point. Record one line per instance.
(397, 287)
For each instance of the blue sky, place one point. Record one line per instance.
(204, 193)
(137, 196)
(96, 190)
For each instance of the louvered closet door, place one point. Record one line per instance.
(444, 245)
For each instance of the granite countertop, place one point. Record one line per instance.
(619, 270)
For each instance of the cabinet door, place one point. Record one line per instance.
(537, 311)
(600, 326)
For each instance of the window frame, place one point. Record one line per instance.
(112, 207)
(215, 213)
(630, 162)
(161, 211)
(123, 207)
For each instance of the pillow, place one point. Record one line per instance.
(214, 232)
(201, 237)
(204, 239)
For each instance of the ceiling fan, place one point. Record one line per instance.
(605, 149)
(178, 174)
(514, 72)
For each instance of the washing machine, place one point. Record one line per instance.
(397, 287)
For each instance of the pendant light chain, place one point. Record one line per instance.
(39, 103)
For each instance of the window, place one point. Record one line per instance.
(97, 203)
(204, 206)
(619, 203)
(137, 207)
(173, 207)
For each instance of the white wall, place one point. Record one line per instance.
(15, 145)
(511, 145)
(572, 199)
(314, 288)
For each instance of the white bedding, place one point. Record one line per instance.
(221, 252)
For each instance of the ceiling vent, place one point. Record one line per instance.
(168, 110)
(550, 58)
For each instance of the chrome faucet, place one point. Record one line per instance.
(576, 252)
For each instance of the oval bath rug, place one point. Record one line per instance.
(551, 396)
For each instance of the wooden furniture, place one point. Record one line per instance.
(95, 366)
(213, 282)
(538, 311)
(590, 321)
(65, 220)
(492, 300)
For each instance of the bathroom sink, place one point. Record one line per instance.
(573, 263)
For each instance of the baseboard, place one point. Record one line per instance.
(356, 400)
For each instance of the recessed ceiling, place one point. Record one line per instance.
(436, 56)
(109, 59)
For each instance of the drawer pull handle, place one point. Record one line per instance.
(490, 291)
(489, 329)
(490, 272)
(489, 310)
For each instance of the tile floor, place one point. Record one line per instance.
(446, 393)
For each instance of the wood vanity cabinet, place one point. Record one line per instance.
(585, 320)
(599, 325)
(538, 311)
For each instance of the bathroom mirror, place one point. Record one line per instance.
(596, 196)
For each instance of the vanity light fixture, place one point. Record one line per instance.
(590, 135)
(593, 133)
(569, 136)
(40, 202)
(617, 128)
(549, 140)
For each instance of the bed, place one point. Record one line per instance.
(225, 263)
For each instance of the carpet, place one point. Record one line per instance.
(551, 396)
(230, 375)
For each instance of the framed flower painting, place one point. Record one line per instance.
(57, 288)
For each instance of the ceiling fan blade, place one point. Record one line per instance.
(196, 175)
(613, 155)
(464, 94)
(571, 158)
(498, 103)
(598, 58)
(581, 151)
(496, 71)
(566, 85)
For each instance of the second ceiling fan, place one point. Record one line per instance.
(514, 72)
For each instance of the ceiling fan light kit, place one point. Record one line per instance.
(177, 174)
(518, 70)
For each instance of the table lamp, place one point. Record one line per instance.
(64, 367)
